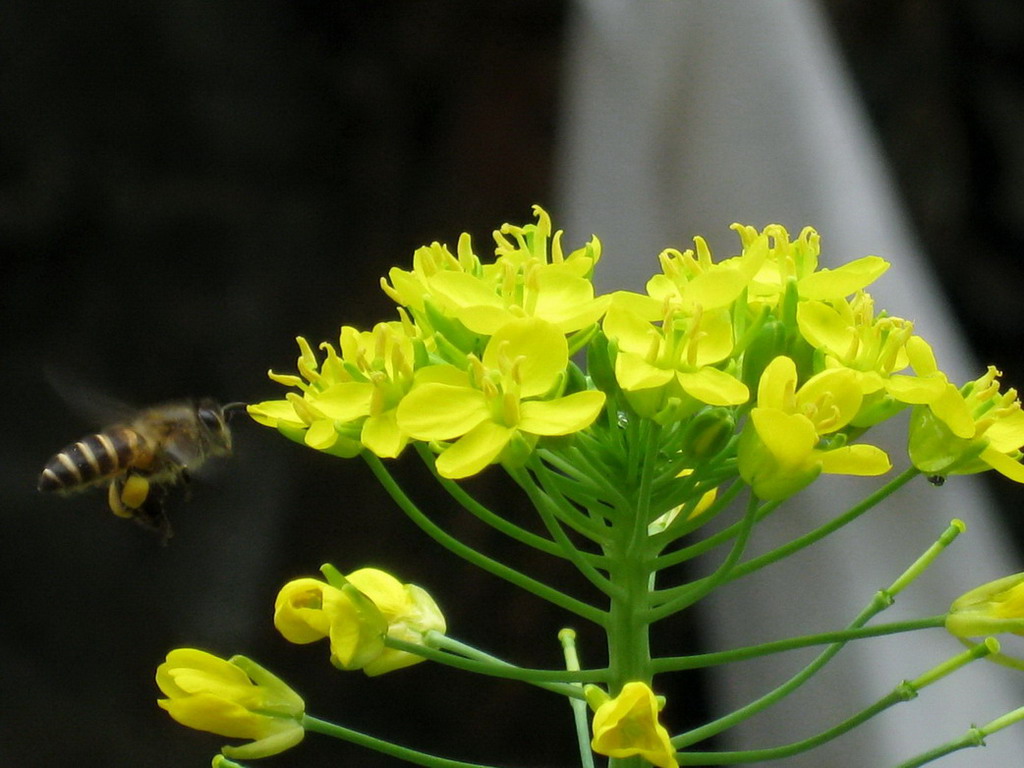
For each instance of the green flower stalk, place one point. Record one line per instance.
(719, 393)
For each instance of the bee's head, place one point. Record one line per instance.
(214, 426)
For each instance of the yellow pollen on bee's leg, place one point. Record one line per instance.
(114, 500)
(134, 492)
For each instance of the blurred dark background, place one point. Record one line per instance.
(185, 186)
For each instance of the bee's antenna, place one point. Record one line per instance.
(230, 408)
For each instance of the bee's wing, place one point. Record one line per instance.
(184, 451)
(96, 407)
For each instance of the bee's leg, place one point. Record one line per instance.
(134, 497)
(151, 513)
(125, 495)
(186, 481)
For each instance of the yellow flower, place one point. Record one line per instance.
(940, 445)
(797, 261)
(235, 698)
(674, 361)
(778, 452)
(534, 243)
(348, 402)
(627, 725)
(531, 277)
(878, 349)
(995, 607)
(369, 605)
(690, 279)
(497, 410)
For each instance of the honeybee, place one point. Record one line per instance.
(138, 460)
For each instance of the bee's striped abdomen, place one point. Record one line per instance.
(91, 459)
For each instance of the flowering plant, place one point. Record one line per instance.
(630, 422)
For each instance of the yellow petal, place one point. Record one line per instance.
(714, 387)
(634, 373)
(916, 390)
(561, 416)
(474, 451)
(382, 436)
(440, 411)
(839, 389)
(716, 288)
(345, 401)
(541, 348)
(844, 280)
(1006, 434)
(387, 592)
(824, 327)
(716, 341)
(1003, 464)
(459, 289)
(865, 460)
(777, 387)
(638, 306)
(321, 434)
(627, 328)
(270, 413)
(300, 614)
(789, 437)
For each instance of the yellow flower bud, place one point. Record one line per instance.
(303, 610)
(628, 725)
(369, 605)
(408, 609)
(995, 607)
(307, 610)
(234, 697)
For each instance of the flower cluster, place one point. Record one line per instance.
(754, 374)
(478, 363)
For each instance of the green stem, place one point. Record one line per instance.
(678, 494)
(717, 539)
(500, 669)
(598, 474)
(903, 692)
(413, 756)
(449, 542)
(543, 504)
(821, 532)
(628, 627)
(974, 737)
(877, 604)
(693, 592)
(696, 661)
(591, 525)
(567, 637)
(956, 527)
(482, 513)
(598, 512)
